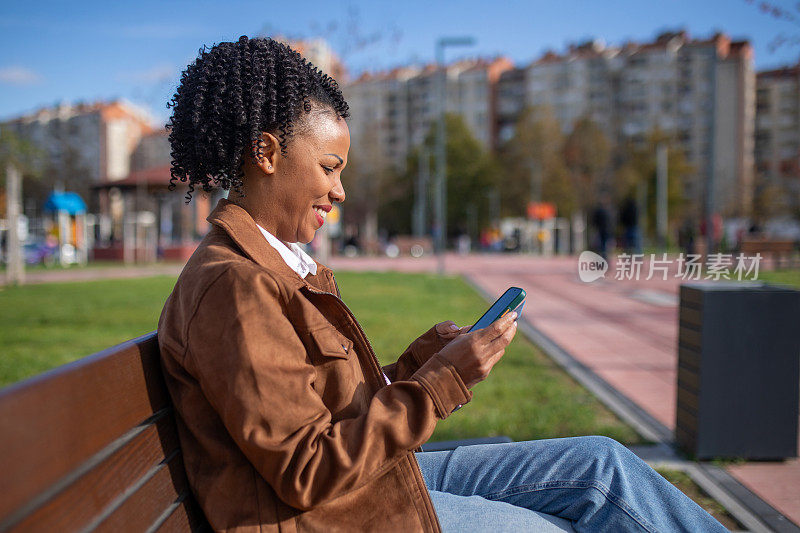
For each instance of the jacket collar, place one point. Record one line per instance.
(242, 229)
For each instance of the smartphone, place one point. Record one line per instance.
(511, 300)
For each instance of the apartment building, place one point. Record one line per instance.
(578, 84)
(391, 112)
(84, 143)
(716, 104)
(379, 117)
(777, 139)
(510, 102)
(320, 54)
(702, 92)
(151, 151)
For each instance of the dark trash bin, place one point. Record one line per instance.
(738, 370)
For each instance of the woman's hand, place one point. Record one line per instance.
(474, 354)
(449, 330)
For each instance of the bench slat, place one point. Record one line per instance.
(83, 500)
(141, 510)
(182, 518)
(690, 337)
(78, 410)
(690, 317)
(765, 246)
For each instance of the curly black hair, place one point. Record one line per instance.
(231, 94)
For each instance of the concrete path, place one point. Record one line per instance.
(626, 332)
(91, 273)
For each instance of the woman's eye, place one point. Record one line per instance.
(328, 170)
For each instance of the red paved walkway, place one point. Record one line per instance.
(625, 331)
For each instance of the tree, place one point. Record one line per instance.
(769, 198)
(471, 174)
(363, 179)
(396, 202)
(25, 156)
(64, 166)
(784, 14)
(55, 162)
(587, 153)
(639, 168)
(533, 164)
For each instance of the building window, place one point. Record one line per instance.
(638, 61)
(789, 167)
(763, 138)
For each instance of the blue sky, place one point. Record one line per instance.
(136, 50)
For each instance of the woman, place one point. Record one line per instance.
(286, 420)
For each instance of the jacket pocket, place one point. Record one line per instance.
(331, 343)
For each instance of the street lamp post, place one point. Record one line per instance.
(423, 177)
(15, 271)
(661, 195)
(441, 155)
(710, 178)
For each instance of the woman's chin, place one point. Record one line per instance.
(305, 239)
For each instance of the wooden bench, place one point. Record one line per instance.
(93, 446)
(780, 252)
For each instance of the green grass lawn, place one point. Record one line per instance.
(526, 396)
(785, 277)
(686, 485)
(47, 325)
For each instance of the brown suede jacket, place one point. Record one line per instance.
(284, 418)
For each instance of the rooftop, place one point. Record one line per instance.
(108, 110)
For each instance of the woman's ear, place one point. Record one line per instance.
(266, 158)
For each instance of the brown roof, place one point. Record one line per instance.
(593, 48)
(783, 72)
(741, 49)
(667, 36)
(114, 109)
(658, 45)
(160, 132)
(549, 57)
(153, 176)
(468, 64)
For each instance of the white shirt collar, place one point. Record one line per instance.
(293, 255)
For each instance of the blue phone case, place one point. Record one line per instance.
(501, 303)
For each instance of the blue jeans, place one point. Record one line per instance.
(594, 482)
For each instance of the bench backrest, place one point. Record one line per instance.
(93, 445)
(766, 246)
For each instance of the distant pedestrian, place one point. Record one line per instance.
(686, 236)
(629, 220)
(601, 222)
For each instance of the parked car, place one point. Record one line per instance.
(37, 253)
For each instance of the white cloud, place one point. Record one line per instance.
(154, 74)
(16, 75)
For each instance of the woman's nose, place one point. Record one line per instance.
(337, 193)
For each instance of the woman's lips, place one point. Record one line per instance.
(321, 211)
